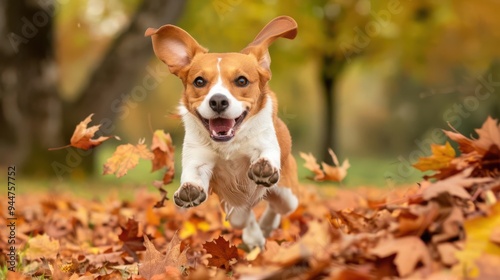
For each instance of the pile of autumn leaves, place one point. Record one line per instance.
(445, 228)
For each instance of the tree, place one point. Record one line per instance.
(33, 115)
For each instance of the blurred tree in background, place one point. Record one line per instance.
(34, 114)
(368, 78)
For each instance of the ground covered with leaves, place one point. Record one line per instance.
(446, 227)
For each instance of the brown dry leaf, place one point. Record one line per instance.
(171, 273)
(222, 252)
(163, 151)
(132, 240)
(409, 250)
(313, 166)
(447, 253)
(283, 255)
(82, 137)
(335, 173)
(155, 263)
(16, 276)
(163, 193)
(489, 135)
(203, 272)
(41, 246)
(454, 185)
(125, 158)
(465, 145)
(441, 157)
(451, 227)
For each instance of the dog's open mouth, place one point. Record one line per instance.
(222, 129)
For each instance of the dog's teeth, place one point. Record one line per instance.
(230, 132)
(214, 133)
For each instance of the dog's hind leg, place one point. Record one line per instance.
(243, 218)
(281, 201)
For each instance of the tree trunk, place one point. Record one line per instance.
(33, 117)
(331, 69)
(31, 107)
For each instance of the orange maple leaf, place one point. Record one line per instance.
(335, 173)
(125, 158)
(409, 250)
(155, 263)
(441, 157)
(221, 251)
(82, 136)
(163, 152)
(489, 135)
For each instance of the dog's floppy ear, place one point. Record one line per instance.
(174, 46)
(280, 27)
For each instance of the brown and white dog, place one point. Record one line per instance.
(235, 145)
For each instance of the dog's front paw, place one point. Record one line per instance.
(189, 195)
(263, 173)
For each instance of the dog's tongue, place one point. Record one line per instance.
(220, 126)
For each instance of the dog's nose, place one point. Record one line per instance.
(218, 103)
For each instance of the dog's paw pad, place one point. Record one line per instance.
(263, 173)
(189, 195)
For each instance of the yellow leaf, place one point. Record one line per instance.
(125, 158)
(440, 158)
(188, 229)
(478, 243)
(41, 246)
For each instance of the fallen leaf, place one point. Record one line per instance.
(221, 251)
(489, 135)
(441, 157)
(465, 145)
(447, 253)
(41, 246)
(155, 263)
(478, 242)
(132, 240)
(125, 158)
(409, 250)
(454, 185)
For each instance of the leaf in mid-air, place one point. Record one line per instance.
(335, 173)
(163, 151)
(125, 158)
(82, 136)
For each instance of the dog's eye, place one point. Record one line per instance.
(241, 81)
(199, 82)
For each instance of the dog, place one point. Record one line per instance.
(235, 145)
